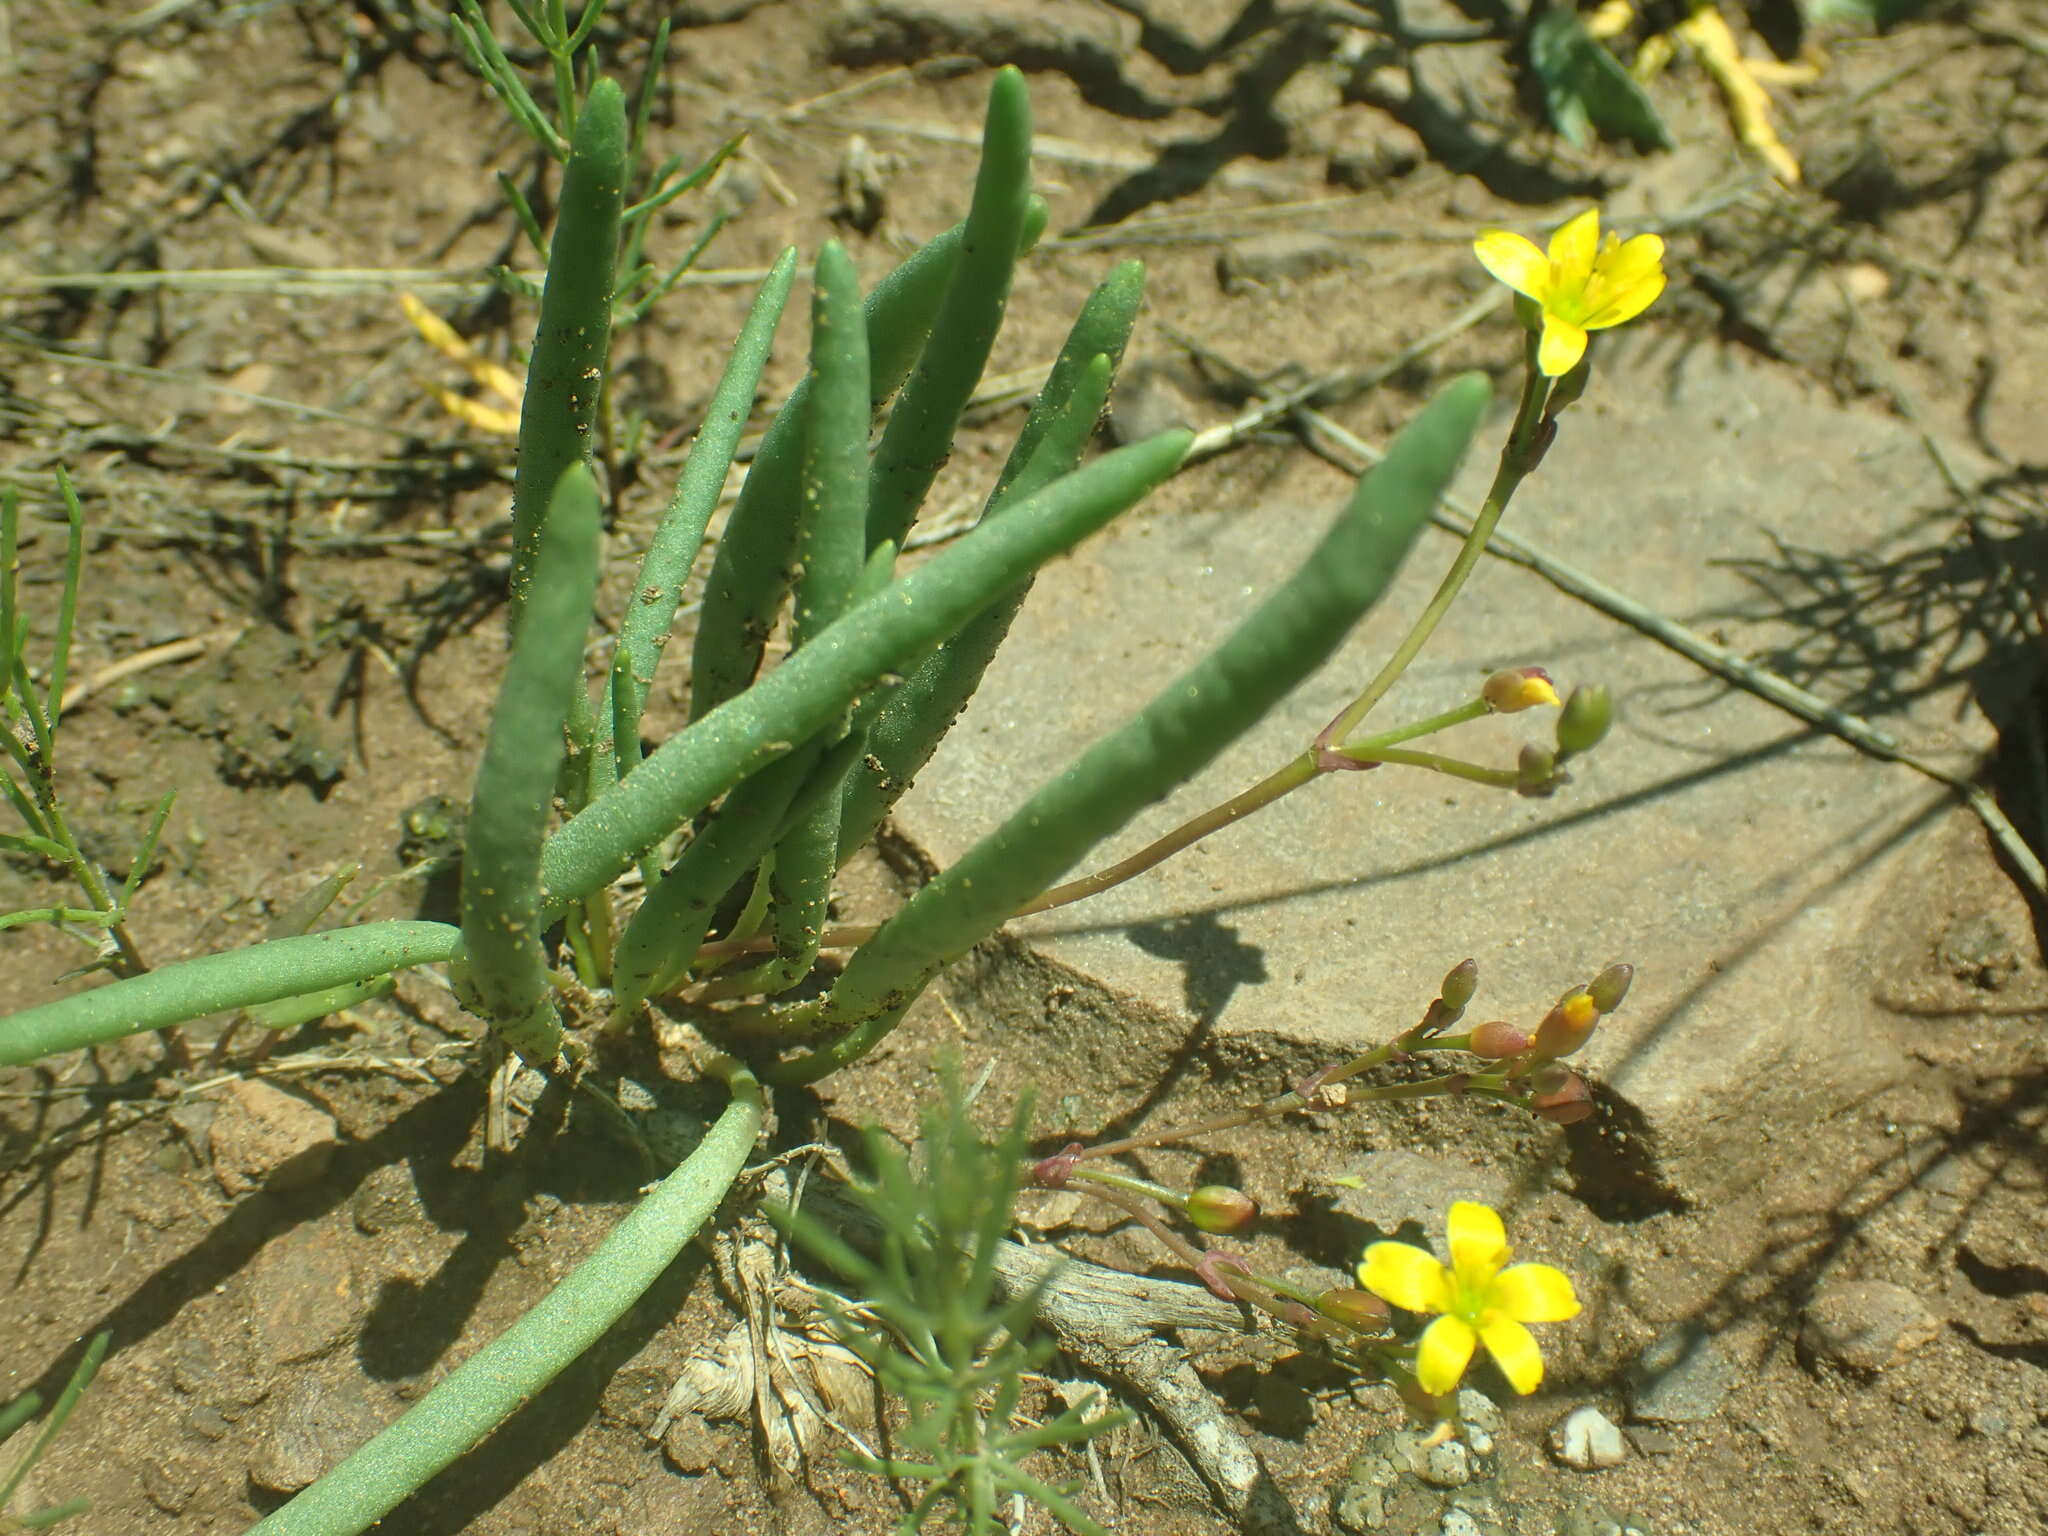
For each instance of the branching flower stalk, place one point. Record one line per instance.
(1579, 286)
(1522, 1068)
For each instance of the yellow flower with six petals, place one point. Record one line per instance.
(1482, 1302)
(1580, 283)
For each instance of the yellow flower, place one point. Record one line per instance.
(1581, 284)
(1481, 1302)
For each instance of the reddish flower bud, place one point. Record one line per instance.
(1460, 982)
(1515, 689)
(1570, 1101)
(1536, 771)
(1219, 1208)
(1053, 1172)
(1498, 1040)
(1585, 719)
(1610, 987)
(1359, 1310)
(1550, 1077)
(1567, 1026)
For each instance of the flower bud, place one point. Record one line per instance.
(1360, 1310)
(1550, 1077)
(1518, 688)
(1219, 1208)
(1610, 987)
(1566, 391)
(1567, 1026)
(1570, 1101)
(1460, 982)
(1536, 771)
(1498, 1040)
(1582, 723)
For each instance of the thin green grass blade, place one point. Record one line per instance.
(565, 377)
(1169, 740)
(12, 636)
(81, 1377)
(307, 908)
(18, 1413)
(42, 847)
(291, 1012)
(504, 974)
(749, 572)
(666, 192)
(30, 813)
(145, 851)
(919, 437)
(644, 627)
(522, 210)
(660, 288)
(67, 609)
(239, 978)
(814, 685)
(650, 82)
(487, 58)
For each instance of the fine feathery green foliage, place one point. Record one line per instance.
(17, 1413)
(935, 1326)
(31, 716)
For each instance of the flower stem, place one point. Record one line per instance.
(1517, 458)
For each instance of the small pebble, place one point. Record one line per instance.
(1864, 1325)
(1448, 1465)
(1479, 1419)
(1587, 1439)
(1683, 1377)
(265, 1138)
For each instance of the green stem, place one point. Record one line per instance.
(1283, 781)
(1456, 767)
(1516, 460)
(1131, 1184)
(492, 1384)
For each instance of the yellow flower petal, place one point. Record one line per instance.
(1561, 347)
(1479, 1243)
(1407, 1276)
(1515, 261)
(1632, 260)
(1444, 1351)
(1575, 244)
(1513, 1349)
(1534, 1293)
(1616, 304)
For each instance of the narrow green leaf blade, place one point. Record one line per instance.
(1171, 739)
(644, 628)
(750, 571)
(571, 343)
(919, 437)
(800, 697)
(504, 971)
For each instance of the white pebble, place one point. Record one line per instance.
(1587, 1439)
